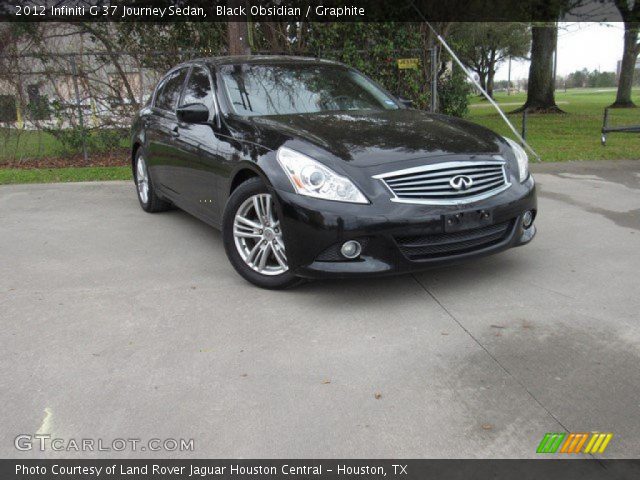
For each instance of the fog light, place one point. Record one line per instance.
(351, 249)
(527, 219)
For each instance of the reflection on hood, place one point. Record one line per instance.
(370, 138)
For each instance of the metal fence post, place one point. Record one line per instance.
(74, 71)
(434, 79)
(605, 124)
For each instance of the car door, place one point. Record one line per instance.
(164, 154)
(200, 148)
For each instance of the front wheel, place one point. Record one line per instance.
(252, 236)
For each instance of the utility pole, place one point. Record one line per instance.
(238, 34)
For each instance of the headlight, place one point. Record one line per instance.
(521, 158)
(315, 180)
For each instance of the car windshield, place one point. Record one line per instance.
(281, 89)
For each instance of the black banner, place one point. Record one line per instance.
(320, 469)
(308, 10)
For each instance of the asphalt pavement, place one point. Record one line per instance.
(121, 324)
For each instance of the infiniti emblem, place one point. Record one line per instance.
(461, 182)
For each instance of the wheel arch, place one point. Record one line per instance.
(245, 172)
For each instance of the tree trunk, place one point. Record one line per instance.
(482, 79)
(627, 67)
(491, 71)
(490, 76)
(541, 88)
(271, 35)
(238, 33)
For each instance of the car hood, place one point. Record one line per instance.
(369, 139)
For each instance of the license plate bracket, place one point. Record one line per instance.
(468, 220)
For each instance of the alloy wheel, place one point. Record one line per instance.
(142, 180)
(258, 235)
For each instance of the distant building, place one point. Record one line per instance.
(69, 76)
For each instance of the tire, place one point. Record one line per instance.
(253, 242)
(147, 196)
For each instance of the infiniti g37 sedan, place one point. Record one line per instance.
(312, 170)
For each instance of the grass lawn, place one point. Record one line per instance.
(27, 144)
(573, 136)
(34, 144)
(71, 174)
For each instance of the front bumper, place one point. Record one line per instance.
(314, 230)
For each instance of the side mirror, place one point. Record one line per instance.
(406, 102)
(193, 113)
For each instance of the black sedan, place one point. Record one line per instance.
(312, 170)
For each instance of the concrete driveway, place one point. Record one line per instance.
(121, 324)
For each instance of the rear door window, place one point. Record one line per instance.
(170, 90)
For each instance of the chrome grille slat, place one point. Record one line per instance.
(430, 184)
(443, 179)
(447, 166)
(442, 173)
(452, 193)
(446, 185)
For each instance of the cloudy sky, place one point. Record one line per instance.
(580, 45)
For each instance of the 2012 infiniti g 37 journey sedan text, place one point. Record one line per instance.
(312, 170)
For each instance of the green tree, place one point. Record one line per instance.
(578, 79)
(484, 46)
(541, 86)
(630, 12)
(161, 45)
(373, 48)
(601, 79)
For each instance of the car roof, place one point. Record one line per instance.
(264, 59)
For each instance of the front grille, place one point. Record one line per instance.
(433, 183)
(425, 247)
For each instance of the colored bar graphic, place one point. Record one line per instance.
(567, 444)
(581, 442)
(605, 443)
(550, 442)
(557, 443)
(576, 438)
(573, 442)
(543, 443)
(590, 444)
(598, 443)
